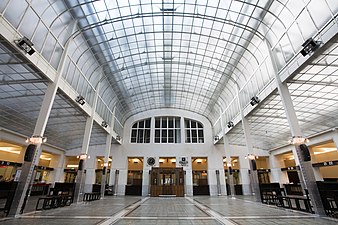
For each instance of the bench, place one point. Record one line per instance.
(297, 202)
(277, 197)
(272, 198)
(54, 201)
(91, 196)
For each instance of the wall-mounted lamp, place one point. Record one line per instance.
(297, 140)
(79, 99)
(104, 124)
(36, 139)
(216, 138)
(230, 124)
(254, 100)
(83, 156)
(309, 46)
(26, 45)
(251, 157)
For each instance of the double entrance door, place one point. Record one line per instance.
(167, 182)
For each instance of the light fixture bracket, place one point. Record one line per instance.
(104, 124)
(298, 140)
(254, 100)
(230, 124)
(80, 99)
(36, 139)
(309, 46)
(26, 45)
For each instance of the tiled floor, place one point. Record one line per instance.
(162, 211)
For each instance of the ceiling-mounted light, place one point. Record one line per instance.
(309, 46)
(254, 100)
(230, 124)
(36, 139)
(104, 124)
(79, 99)
(26, 45)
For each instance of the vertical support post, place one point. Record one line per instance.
(116, 182)
(228, 162)
(80, 177)
(219, 193)
(252, 161)
(226, 146)
(106, 156)
(105, 164)
(25, 179)
(298, 139)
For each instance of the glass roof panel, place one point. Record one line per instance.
(192, 54)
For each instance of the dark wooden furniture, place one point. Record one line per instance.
(92, 196)
(272, 194)
(7, 191)
(53, 201)
(298, 202)
(329, 194)
(293, 189)
(39, 189)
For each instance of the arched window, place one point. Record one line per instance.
(167, 130)
(140, 131)
(193, 131)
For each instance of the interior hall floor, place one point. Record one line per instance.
(167, 210)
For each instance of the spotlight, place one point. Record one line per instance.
(118, 138)
(309, 46)
(230, 124)
(26, 45)
(254, 100)
(216, 138)
(79, 99)
(104, 124)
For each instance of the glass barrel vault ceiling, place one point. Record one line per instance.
(192, 55)
(196, 55)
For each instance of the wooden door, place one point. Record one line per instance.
(167, 181)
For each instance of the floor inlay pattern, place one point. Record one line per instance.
(203, 210)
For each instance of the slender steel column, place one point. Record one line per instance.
(309, 180)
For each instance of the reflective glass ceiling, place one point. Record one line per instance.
(192, 55)
(196, 55)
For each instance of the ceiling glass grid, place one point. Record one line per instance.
(66, 124)
(315, 93)
(129, 51)
(98, 135)
(21, 92)
(268, 123)
(145, 45)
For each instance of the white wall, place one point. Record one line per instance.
(214, 153)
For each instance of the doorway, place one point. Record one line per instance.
(167, 182)
(135, 174)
